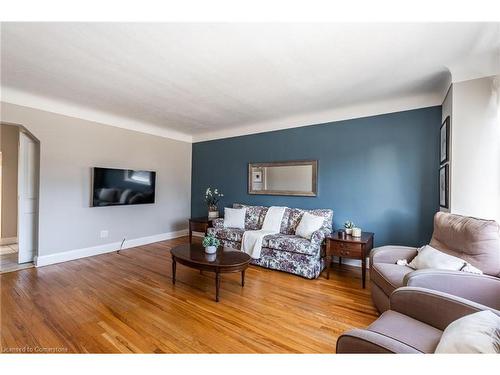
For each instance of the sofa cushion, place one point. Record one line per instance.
(256, 214)
(230, 234)
(280, 242)
(308, 225)
(412, 332)
(296, 215)
(428, 257)
(474, 240)
(474, 333)
(289, 242)
(388, 276)
(255, 217)
(234, 217)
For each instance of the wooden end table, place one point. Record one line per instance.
(343, 245)
(224, 261)
(199, 224)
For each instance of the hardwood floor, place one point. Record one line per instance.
(126, 303)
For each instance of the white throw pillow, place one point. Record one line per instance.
(429, 257)
(474, 333)
(234, 217)
(308, 225)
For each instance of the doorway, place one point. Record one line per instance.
(19, 186)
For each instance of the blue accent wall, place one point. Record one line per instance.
(380, 172)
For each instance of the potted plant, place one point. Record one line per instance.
(212, 197)
(348, 225)
(210, 244)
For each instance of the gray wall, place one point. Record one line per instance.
(69, 147)
(379, 171)
(9, 136)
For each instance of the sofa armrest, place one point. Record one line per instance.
(218, 223)
(364, 341)
(434, 308)
(391, 254)
(319, 236)
(482, 289)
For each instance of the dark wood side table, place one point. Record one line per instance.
(199, 224)
(343, 245)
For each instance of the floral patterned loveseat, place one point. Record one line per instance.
(284, 251)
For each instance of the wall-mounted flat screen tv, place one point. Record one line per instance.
(117, 187)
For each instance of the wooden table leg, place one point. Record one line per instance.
(174, 267)
(190, 234)
(217, 286)
(243, 278)
(363, 270)
(328, 265)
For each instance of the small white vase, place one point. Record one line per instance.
(211, 249)
(348, 230)
(356, 232)
(211, 257)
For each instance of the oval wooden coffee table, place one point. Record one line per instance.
(224, 261)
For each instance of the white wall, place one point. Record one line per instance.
(475, 144)
(69, 147)
(9, 140)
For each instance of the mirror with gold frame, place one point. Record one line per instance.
(298, 178)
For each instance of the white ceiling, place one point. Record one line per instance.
(201, 81)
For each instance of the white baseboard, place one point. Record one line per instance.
(66, 256)
(8, 240)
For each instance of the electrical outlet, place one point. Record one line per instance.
(104, 234)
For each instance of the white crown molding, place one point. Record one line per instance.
(373, 108)
(345, 113)
(65, 256)
(475, 67)
(22, 98)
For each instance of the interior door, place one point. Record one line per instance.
(27, 198)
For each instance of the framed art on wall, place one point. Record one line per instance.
(257, 176)
(444, 187)
(444, 141)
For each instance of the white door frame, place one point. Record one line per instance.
(28, 196)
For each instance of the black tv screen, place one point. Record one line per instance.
(116, 187)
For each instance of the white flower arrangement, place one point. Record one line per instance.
(212, 196)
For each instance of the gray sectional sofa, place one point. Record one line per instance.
(284, 251)
(414, 323)
(474, 240)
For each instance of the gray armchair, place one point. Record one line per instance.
(473, 240)
(414, 323)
